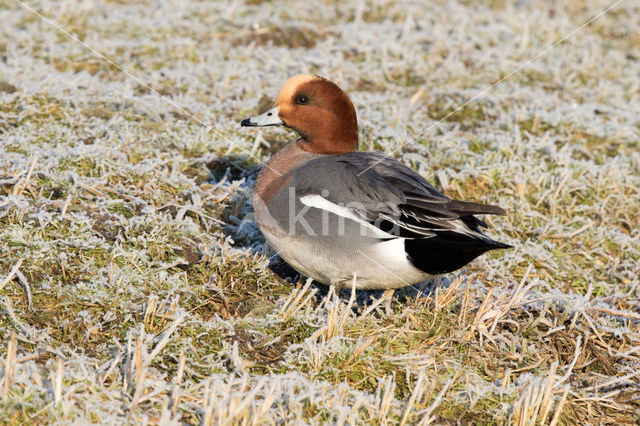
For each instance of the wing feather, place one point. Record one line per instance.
(381, 193)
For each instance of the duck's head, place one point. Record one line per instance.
(318, 110)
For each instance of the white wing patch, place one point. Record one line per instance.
(319, 202)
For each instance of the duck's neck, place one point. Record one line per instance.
(333, 146)
(337, 135)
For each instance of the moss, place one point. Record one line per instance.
(122, 209)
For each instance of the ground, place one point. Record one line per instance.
(134, 286)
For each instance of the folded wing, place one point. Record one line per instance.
(393, 201)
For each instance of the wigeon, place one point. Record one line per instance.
(334, 213)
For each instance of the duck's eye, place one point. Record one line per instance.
(302, 99)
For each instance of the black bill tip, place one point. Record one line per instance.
(247, 123)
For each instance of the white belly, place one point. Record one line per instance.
(380, 265)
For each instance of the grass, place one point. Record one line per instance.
(135, 287)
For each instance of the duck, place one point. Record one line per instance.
(347, 218)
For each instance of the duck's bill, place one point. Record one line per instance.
(269, 118)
